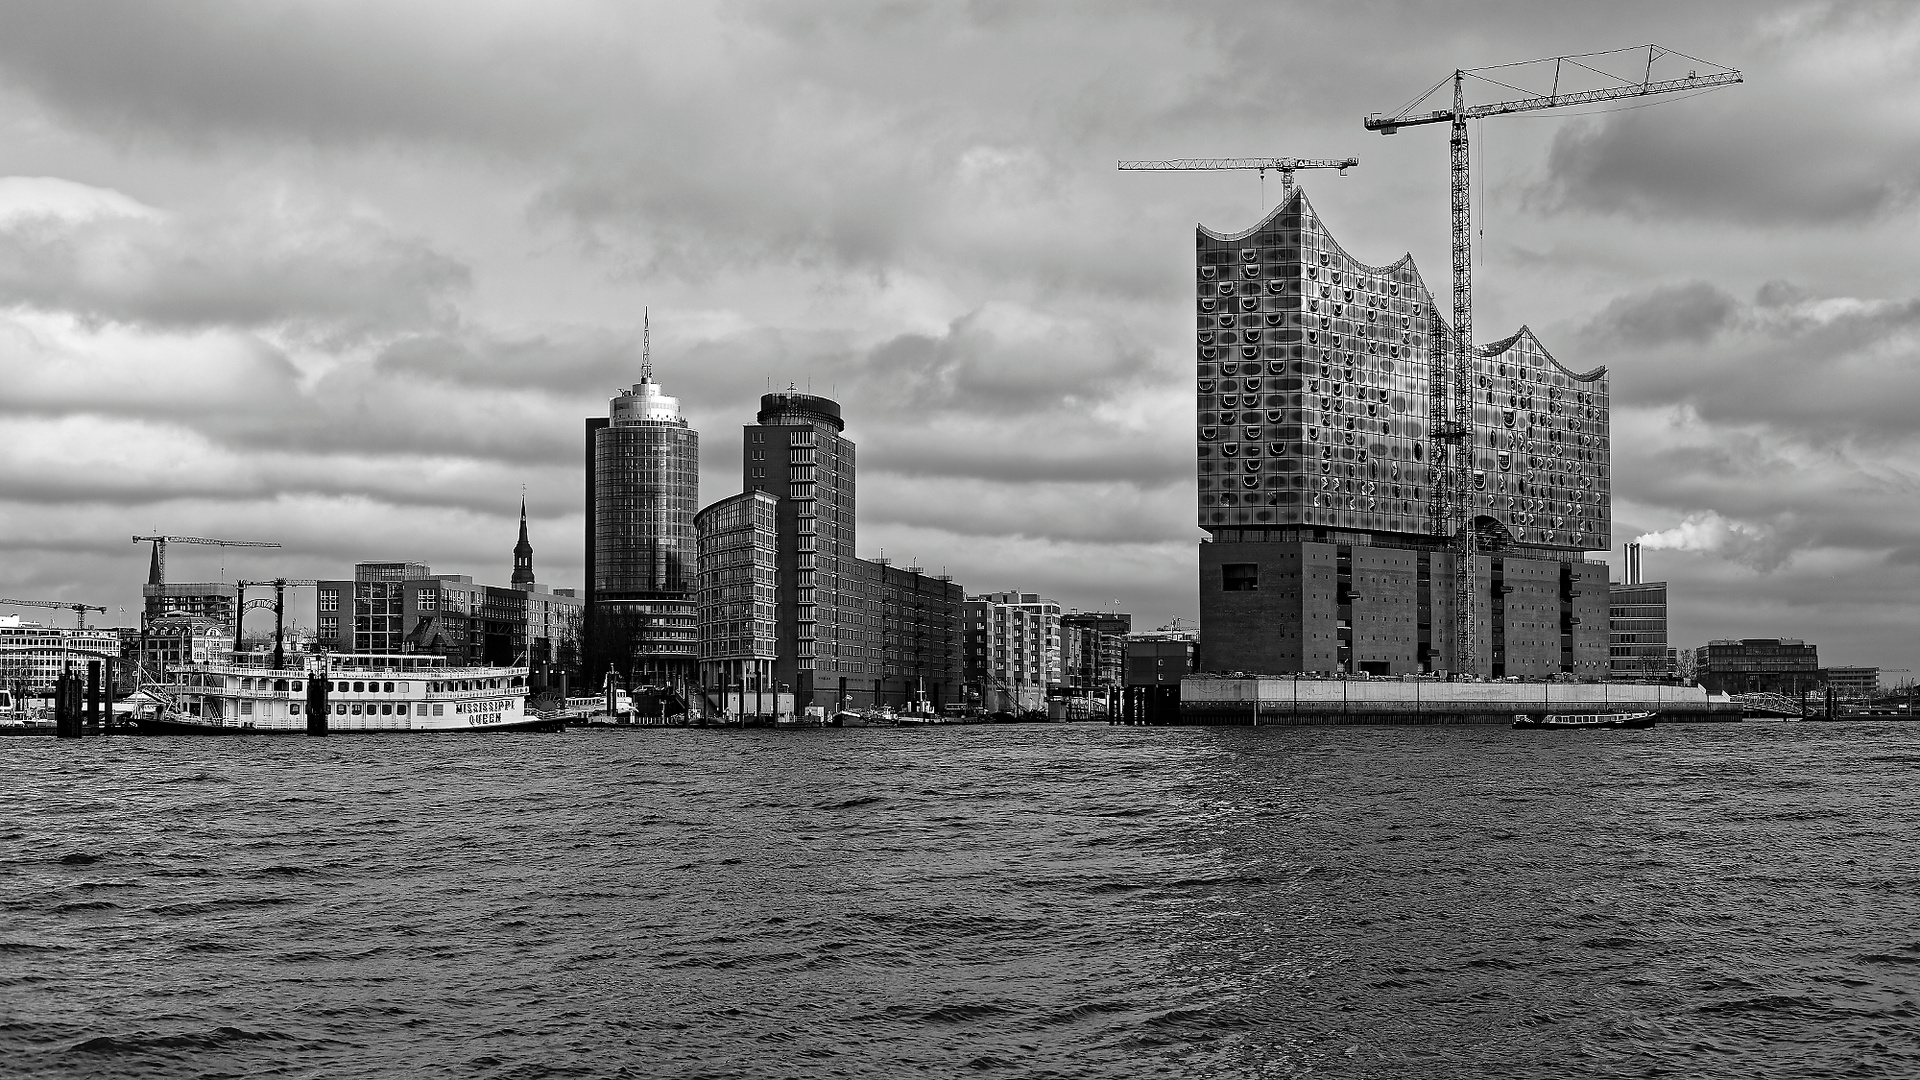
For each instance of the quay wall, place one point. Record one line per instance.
(1284, 701)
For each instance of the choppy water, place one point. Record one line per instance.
(1031, 901)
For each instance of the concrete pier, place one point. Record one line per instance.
(1275, 699)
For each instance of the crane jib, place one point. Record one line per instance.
(1452, 514)
(1386, 125)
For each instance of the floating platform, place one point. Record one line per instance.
(1276, 699)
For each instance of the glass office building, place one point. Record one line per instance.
(643, 487)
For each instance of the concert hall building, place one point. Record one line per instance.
(1320, 479)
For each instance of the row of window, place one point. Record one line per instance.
(371, 708)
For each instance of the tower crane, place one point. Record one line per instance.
(158, 574)
(1285, 166)
(79, 610)
(1455, 432)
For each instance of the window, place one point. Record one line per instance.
(439, 710)
(329, 626)
(360, 687)
(329, 600)
(293, 709)
(427, 599)
(1240, 577)
(389, 688)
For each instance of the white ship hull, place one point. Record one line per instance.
(372, 694)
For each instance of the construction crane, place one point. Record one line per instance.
(158, 574)
(79, 610)
(1285, 166)
(279, 606)
(1455, 431)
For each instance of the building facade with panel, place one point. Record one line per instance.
(32, 655)
(643, 488)
(1758, 666)
(738, 547)
(1322, 483)
(907, 622)
(1013, 649)
(1852, 683)
(843, 631)
(1637, 649)
(1093, 651)
(392, 608)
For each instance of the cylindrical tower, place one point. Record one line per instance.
(646, 488)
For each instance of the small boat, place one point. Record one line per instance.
(1571, 721)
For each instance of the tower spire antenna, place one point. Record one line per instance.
(646, 345)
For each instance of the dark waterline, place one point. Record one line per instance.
(1032, 901)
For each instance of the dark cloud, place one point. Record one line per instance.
(1757, 167)
(337, 276)
(463, 208)
(1693, 312)
(199, 70)
(1770, 153)
(1821, 371)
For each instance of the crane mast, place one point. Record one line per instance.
(1450, 509)
(1459, 433)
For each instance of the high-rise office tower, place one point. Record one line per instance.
(786, 605)
(643, 487)
(1321, 483)
(797, 453)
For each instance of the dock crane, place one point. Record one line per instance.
(1285, 166)
(79, 610)
(279, 606)
(1455, 431)
(158, 574)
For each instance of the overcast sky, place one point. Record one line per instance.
(347, 275)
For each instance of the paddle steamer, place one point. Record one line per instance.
(365, 693)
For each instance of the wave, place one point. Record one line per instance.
(146, 1042)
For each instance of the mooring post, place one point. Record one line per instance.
(93, 699)
(317, 701)
(66, 722)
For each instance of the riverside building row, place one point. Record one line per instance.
(764, 591)
(784, 601)
(760, 591)
(393, 608)
(1320, 489)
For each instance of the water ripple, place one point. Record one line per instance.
(1034, 901)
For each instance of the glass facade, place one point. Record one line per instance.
(1313, 375)
(1326, 467)
(1637, 628)
(649, 485)
(643, 490)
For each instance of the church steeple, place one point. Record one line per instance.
(523, 551)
